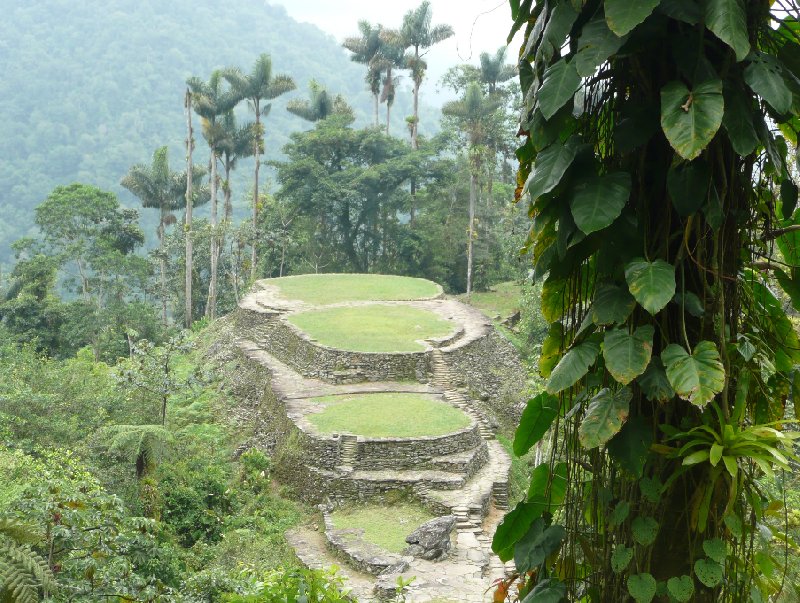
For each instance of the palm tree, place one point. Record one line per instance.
(365, 49)
(157, 187)
(389, 57)
(189, 254)
(255, 87)
(419, 35)
(319, 104)
(495, 70)
(473, 114)
(210, 102)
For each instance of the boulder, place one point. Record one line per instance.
(431, 540)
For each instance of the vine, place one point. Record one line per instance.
(656, 167)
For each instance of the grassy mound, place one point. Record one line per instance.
(387, 415)
(322, 289)
(372, 328)
(385, 526)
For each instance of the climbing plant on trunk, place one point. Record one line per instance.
(656, 172)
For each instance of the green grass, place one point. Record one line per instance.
(385, 415)
(502, 299)
(322, 289)
(384, 526)
(373, 328)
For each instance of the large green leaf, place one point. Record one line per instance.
(596, 203)
(688, 11)
(621, 558)
(574, 365)
(790, 284)
(709, 572)
(690, 119)
(604, 418)
(631, 445)
(612, 304)
(542, 477)
(535, 421)
(559, 23)
(549, 590)
(596, 44)
(642, 587)
(627, 355)
(537, 544)
(738, 120)
(559, 84)
(513, 527)
(654, 382)
(554, 298)
(623, 15)
(550, 166)
(687, 184)
(696, 377)
(644, 530)
(764, 76)
(727, 19)
(652, 284)
(681, 588)
(550, 353)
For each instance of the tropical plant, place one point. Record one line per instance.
(319, 104)
(24, 574)
(143, 445)
(494, 69)
(257, 86)
(655, 169)
(365, 49)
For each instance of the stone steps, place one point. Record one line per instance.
(348, 452)
(394, 479)
(465, 463)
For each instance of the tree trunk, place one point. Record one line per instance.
(473, 186)
(211, 307)
(257, 155)
(417, 82)
(388, 116)
(376, 103)
(189, 207)
(163, 266)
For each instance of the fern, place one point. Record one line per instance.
(23, 572)
(145, 445)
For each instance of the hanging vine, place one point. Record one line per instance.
(656, 170)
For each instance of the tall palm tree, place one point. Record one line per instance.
(389, 57)
(418, 35)
(189, 236)
(473, 113)
(212, 100)
(494, 69)
(319, 104)
(257, 86)
(157, 187)
(365, 49)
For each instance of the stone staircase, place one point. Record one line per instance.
(443, 379)
(348, 453)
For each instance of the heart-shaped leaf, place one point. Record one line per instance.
(513, 527)
(727, 19)
(550, 353)
(549, 590)
(644, 530)
(690, 303)
(716, 549)
(738, 120)
(697, 377)
(606, 413)
(620, 512)
(631, 445)
(560, 82)
(765, 78)
(596, 44)
(651, 488)
(550, 166)
(626, 355)
(620, 558)
(623, 16)
(612, 304)
(708, 572)
(598, 202)
(536, 419)
(654, 382)
(690, 119)
(681, 588)
(537, 544)
(652, 284)
(642, 587)
(687, 184)
(574, 365)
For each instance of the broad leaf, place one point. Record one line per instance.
(708, 572)
(688, 11)
(627, 355)
(555, 32)
(554, 298)
(716, 549)
(549, 590)
(550, 353)
(596, 44)
(620, 513)
(690, 119)
(652, 284)
(651, 488)
(550, 166)
(535, 421)
(697, 377)
(644, 530)
(738, 120)
(654, 382)
(681, 588)
(687, 184)
(689, 302)
(596, 203)
(642, 587)
(765, 78)
(574, 365)
(623, 16)
(513, 527)
(788, 197)
(604, 418)
(538, 543)
(727, 19)
(621, 558)
(631, 445)
(612, 305)
(559, 84)
(790, 284)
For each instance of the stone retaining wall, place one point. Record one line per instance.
(359, 553)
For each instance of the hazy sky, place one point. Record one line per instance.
(480, 26)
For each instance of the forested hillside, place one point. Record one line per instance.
(90, 88)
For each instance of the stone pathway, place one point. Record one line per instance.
(448, 484)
